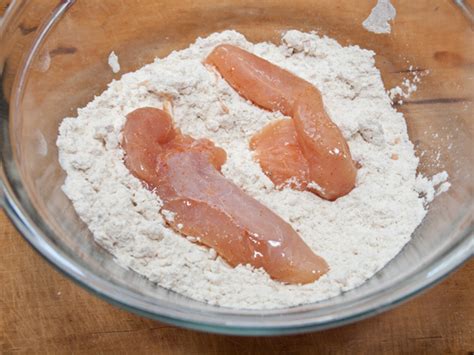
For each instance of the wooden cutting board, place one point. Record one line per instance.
(43, 311)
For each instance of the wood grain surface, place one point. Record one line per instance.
(41, 311)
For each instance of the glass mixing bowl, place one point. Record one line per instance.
(53, 57)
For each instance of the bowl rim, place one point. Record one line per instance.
(399, 291)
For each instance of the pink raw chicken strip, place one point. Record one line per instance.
(206, 205)
(320, 141)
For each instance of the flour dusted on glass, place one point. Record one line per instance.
(377, 22)
(357, 234)
(113, 62)
(407, 87)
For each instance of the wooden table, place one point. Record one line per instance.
(42, 311)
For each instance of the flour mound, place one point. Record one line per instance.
(357, 234)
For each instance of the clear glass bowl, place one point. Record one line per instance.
(53, 57)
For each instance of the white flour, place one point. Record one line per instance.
(113, 62)
(407, 87)
(377, 22)
(357, 234)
